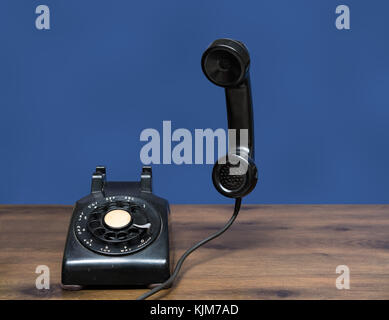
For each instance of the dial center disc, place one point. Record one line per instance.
(117, 219)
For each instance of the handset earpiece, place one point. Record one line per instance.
(226, 63)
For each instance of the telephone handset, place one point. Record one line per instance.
(226, 63)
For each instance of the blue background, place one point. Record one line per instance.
(79, 95)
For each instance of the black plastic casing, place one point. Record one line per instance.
(151, 265)
(226, 63)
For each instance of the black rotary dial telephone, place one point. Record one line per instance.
(119, 233)
(112, 235)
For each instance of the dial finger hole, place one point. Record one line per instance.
(110, 236)
(122, 235)
(94, 224)
(139, 218)
(94, 216)
(99, 231)
(135, 209)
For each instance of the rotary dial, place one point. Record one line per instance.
(117, 225)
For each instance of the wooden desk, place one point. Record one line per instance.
(271, 252)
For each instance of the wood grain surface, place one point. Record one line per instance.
(271, 252)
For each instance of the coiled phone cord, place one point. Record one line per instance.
(169, 281)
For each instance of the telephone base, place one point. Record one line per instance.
(118, 236)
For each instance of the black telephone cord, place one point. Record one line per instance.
(169, 281)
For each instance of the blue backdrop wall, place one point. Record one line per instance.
(79, 95)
